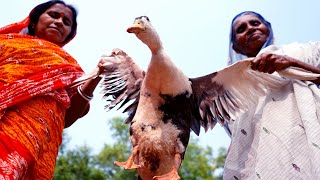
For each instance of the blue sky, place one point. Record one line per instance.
(194, 33)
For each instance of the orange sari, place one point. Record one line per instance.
(34, 96)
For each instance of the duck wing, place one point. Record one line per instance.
(122, 82)
(81, 80)
(222, 95)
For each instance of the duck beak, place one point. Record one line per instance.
(137, 27)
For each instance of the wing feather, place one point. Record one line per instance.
(122, 82)
(224, 94)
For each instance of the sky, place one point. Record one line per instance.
(195, 34)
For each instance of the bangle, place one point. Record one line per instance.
(83, 95)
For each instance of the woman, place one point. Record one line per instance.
(36, 102)
(259, 21)
(279, 137)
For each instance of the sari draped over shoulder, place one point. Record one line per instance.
(34, 96)
(279, 138)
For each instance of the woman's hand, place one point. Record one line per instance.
(269, 63)
(100, 66)
(107, 62)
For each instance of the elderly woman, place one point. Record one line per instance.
(279, 137)
(36, 102)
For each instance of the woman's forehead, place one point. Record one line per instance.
(62, 9)
(244, 18)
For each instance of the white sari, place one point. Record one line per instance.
(280, 137)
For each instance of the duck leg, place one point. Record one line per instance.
(173, 174)
(129, 164)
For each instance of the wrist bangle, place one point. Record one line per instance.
(83, 95)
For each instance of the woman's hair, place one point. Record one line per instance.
(234, 56)
(41, 8)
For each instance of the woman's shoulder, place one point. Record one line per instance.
(302, 50)
(295, 45)
(294, 49)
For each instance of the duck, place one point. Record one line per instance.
(164, 105)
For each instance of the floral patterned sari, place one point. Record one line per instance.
(34, 96)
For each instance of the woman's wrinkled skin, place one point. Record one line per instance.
(250, 34)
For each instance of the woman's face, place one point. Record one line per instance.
(54, 24)
(250, 34)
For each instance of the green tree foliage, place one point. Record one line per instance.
(199, 162)
(76, 164)
(120, 150)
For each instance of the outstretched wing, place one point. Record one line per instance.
(122, 82)
(224, 94)
(81, 80)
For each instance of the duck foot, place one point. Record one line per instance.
(172, 175)
(129, 164)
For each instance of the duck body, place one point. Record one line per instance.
(160, 128)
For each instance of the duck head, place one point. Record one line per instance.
(144, 30)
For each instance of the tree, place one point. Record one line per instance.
(76, 164)
(118, 151)
(199, 162)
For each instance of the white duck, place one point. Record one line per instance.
(167, 104)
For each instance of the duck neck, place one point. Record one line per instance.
(153, 42)
(155, 48)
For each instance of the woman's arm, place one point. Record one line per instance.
(270, 63)
(79, 104)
